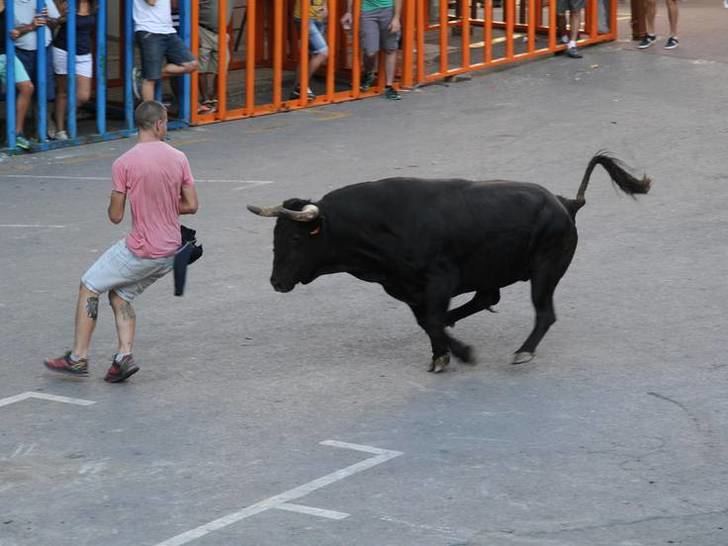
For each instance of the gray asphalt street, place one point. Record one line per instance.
(308, 418)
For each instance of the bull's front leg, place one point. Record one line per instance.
(438, 338)
(431, 315)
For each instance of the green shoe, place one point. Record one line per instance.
(391, 93)
(22, 142)
(367, 81)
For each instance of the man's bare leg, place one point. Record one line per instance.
(87, 311)
(125, 322)
(672, 12)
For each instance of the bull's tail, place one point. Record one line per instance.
(621, 177)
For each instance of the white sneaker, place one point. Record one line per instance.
(51, 126)
(136, 82)
(61, 135)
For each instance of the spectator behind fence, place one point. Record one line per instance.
(23, 85)
(379, 28)
(209, 50)
(574, 8)
(672, 14)
(158, 42)
(85, 24)
(157, 182)
(27, 21)
(318, 49)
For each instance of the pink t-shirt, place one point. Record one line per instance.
(151, 175)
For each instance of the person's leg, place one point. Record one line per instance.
(61, 101)
(650, 11)
(22, 104)
(390, 66)
(75, 362)
(575, 23)
(87, 312)
(672, 13)
(317, 46)
(152, 56)
(369, 39)
(180, 59)
(125, 322)
(83, 90)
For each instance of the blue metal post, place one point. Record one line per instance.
(9, 75)
(42, 78)
(71, 79)
(101, 68)
(186, 26)
(128, 64)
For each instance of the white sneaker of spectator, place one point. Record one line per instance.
(61, 135)
(52, 129)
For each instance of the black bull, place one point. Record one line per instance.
(426, 241)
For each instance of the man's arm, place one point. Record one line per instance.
(346, 19)
(395, 25)
(116, 206)
(188, 200)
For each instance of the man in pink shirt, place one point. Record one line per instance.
(156, 180)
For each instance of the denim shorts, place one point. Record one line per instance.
(118, 269)
(569, 5)
(316, 36)
(374, 33)
(28, 58)
(20, 74)
(155, 48)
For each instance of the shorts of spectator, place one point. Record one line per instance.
(374, 33)
(155, 48)
(84, 63)
(316, 36)
(569, 5)
(28, 58)
(209, 57)
(21, 75)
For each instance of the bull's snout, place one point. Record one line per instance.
(280, 286)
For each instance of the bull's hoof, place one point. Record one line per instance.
(465, 354)
(522, 357)
(439, 364)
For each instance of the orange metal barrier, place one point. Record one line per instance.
(440, 38)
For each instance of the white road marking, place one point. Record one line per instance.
(311, 511)
(53, 226)
(381, 456)
(108, 178)
(43, 396)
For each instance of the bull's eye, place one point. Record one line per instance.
(297, 238)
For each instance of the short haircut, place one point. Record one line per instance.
(148, 113)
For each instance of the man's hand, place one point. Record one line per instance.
(151, 2)
(394, 25)
(40, 19)
(346, 20)
(15, 34)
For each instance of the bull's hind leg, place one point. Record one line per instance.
(480, 301)
(543, 285)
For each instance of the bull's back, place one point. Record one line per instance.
(488, 229)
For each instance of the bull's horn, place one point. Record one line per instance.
(308, 214)
(268, 212)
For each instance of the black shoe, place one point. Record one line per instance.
(573, 53)
(647, 41)
(296, 94)
(672, 43)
